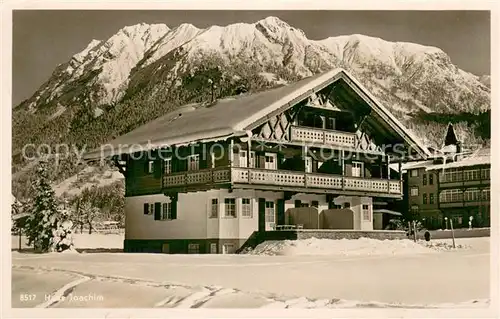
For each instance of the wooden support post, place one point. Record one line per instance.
(342, 156)
(388, 167)
(230, 151)
(400, 169)
(249, 149)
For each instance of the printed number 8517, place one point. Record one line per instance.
(27, 297)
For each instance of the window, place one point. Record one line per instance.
(414, 172)
(424, 179)
(451, 175)
(151, 165)
(450, 196)
(331, 123)
(431, 198)
(471, 175)
(472, 194)
(308, 164)
(431, 179)
(193, 248)
(243, 159)
(347, 205)
(246, 208)
(486, 194)
(269, 212)
(315, 203)
(270, 161)
(424, 198)
(193, 162)
(166, 212)
(485, 173)
(252, 159)
(214, 208)
(167, 166)
(357, 169)
(414, 191)
(230, 207)
(366, 212)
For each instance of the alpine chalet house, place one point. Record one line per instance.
(203, 179)
(454, 183)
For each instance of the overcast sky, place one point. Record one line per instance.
(44, 39)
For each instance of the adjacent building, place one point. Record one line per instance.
(312, 154)
(453, 184)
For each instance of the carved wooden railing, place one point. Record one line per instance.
(281, 178)
(204, 176)
(321, 136)
(314, 180)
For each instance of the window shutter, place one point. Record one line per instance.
(157, 168)
(280, 158)
(262, 216)
(146, 208)
(173, 204)
(281, 211)
(261, 160)
(157, 211)
(297, 203)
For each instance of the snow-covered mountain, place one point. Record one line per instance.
(421, 77)
(103, 66)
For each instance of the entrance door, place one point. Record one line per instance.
(270, 215)
(227, 248)
(357, 169)
(213, 248)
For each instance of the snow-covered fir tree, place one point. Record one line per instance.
(45, 221)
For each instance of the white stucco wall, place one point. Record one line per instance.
(191, 222)
(193, 211)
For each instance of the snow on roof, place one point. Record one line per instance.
(234, 117)
(480, 157)
(414, 165)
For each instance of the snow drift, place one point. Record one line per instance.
(342, 247)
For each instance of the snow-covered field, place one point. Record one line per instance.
(432, 278)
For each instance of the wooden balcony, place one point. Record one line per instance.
(281, 178)
(321, 136)
(314, 180)
(205, 176)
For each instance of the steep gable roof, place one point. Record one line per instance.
(236, 116)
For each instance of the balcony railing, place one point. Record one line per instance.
(205, 176)
(314, 180)
(321, 136)
(258, 176)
